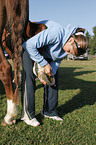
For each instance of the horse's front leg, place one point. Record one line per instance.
(6, 78)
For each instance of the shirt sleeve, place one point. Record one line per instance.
(45, 37)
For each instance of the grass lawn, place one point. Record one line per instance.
(77, 107)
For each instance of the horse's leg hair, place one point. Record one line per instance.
(6, 78)
(6, 72)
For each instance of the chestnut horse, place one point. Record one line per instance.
(14, 15)
(31, 30)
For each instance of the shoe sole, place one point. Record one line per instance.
(52, 118)
(31, 124)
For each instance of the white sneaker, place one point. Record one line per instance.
(57, 118)
(32, 122)
(25, 117)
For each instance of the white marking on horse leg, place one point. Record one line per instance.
(12, 112)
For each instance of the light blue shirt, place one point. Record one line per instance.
(52, 39)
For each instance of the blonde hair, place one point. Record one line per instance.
(82, 43)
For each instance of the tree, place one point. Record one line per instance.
(93, 42)
(89, 40)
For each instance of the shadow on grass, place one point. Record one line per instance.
(87, 95)
(67, 80)
(2, 90)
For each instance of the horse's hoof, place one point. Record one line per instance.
(3, 123)
(14, 121)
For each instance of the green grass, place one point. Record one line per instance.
(77, 107)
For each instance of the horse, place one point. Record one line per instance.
(32, 29)
(14, 16)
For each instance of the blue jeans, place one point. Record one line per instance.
(29, 86)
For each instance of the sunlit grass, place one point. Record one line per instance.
(77, 107)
